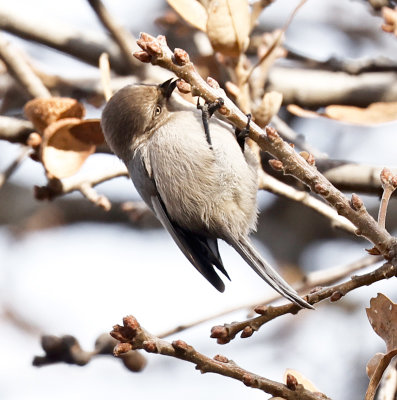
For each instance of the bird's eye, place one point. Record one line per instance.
(157, 111)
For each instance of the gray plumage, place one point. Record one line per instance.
(199, 193)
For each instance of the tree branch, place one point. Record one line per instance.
(19, 68)
(157, 52)
(121, 36)
(133, 336)
(224, 334)
(83, 45)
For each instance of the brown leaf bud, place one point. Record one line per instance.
(277, 165)
(130, 322)
(271, 133)
(116, 333)
(143, 56)
(250, 381)
(291, 382)
(34, 140)
(337, 295)
(309, 158)
(213, 83)
(386, 176)
(180, 345)
(150, 346)
(221, 358)
(247, 332)
(218, 332)
(223, 340)
(181, 57)
(321, 189)
(122, 348)
(373, 251)
(154, 49)
(261, 310)
(183, 86)
(356, 203)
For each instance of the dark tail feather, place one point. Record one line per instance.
(266, 272)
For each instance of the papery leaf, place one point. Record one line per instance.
(191, 11)
(380, 368)
(228, 26)
(382, 315)
(43, 112)
(88, 131)
(62, 153)
(375, 113)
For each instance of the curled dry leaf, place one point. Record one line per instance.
(375, 113)
(66, 145)
(302, 380)
(382, 315)
(228, 26)
(43, 112)
(269, 106)
(191, 11)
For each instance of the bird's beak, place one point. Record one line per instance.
(168, 87)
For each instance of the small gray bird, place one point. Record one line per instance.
(201, 190)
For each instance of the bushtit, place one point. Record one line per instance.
(200, 188)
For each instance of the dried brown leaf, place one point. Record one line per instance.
(373, 363)
(88, 131)
(382, 315)
(375, 113)
(62, 153)
(192, 12)
(42, 112)
(228, 26)
(377, 373)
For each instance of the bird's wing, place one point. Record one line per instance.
(202, 252)
(266, 272)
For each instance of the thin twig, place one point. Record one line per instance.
(13, 166)
(19, 68)
(269, 183)
(224, 334)
(133, 336)
(389, 185)
(314, 279)
(15, 130)
(81, 183)
(84, 45)
(104, 67)
(121, 36)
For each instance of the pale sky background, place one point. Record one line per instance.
(83, 279)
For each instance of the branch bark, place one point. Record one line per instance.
(84, 45)
(133, 336)
(224, 334)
